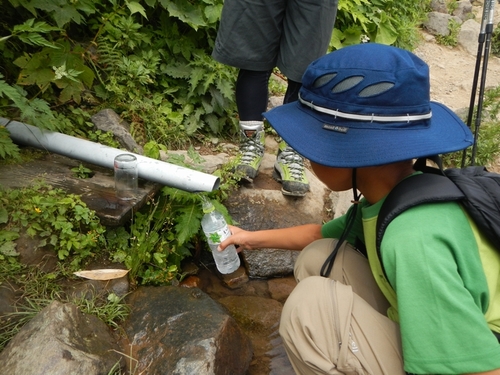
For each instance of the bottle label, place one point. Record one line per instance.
(215, 238)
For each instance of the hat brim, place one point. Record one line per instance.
(356, 145)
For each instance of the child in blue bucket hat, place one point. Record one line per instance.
(425, 306)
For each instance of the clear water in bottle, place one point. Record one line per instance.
(216, 230)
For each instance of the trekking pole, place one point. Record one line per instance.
(484, 40)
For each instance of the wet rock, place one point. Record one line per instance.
(177, 331)
(189, 267)
(280, 288)
(191, 282)
(257, 314)
(61, 340)
(236, 279)
(90, 288)
(279, 362)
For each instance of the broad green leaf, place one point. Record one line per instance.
(32, 26)
(178, 70)
(25, 59)
(8, 249)
(159, 258)
(39, 77)
(218, 101)
(152, 150)
(135, 7)
(8, 235)
(213, 13)
(12, 94)
(192, 124)
(188, 222)
(72, 91)
(176, 117)
(226, 88)
(187, 13)
(213, 122)
(336, 41)
(65, 14)
(386, 33)
(197, 75)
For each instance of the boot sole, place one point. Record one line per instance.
(277, 177)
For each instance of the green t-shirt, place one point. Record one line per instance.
(432, 261)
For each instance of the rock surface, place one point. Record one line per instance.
(61, 340)
(180, 331)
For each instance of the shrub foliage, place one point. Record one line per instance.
(149, 60)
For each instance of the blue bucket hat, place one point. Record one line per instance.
(368, 105)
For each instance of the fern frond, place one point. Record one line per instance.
(188, 222)
(7, 147)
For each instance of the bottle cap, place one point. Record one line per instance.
(207, 207)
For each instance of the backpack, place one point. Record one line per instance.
(477, 189)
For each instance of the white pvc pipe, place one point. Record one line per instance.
(95, 153)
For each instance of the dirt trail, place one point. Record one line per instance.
(452, 73)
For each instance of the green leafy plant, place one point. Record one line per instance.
(58, 219)
(110, 308)
(277, 84)
(82, 172)
(495, 41)
(381, 21)
(160, 237)
(488, 140)
(149, 60)
(150, 253)
(7, 147)
(452, 38)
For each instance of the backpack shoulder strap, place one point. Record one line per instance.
(412, 191)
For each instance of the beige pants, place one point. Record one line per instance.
(338, 325)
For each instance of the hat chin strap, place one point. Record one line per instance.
(355, 194)
(326, 268)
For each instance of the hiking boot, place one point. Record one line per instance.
(289, 170)
(252, 152)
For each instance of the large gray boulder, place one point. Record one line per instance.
(61, 340)
(180, 331)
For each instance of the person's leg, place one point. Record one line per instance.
(328, 329)
(252, 94)
(307, 29)
(337, 325)
(350, 268)
(289, 166)
(249, 38)
(249, 34)
(251, 100)
(292, 91)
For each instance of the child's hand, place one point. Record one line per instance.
(240, 238)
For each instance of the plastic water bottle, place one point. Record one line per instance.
(216, 231)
